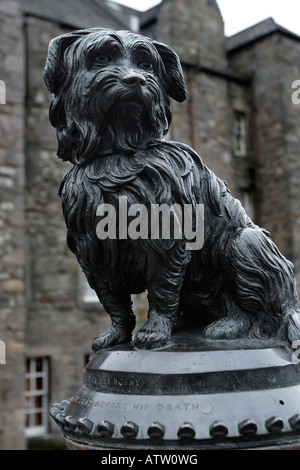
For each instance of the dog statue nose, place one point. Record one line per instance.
(134, 79)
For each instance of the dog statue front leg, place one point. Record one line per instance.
(164, 297)
(118, 306)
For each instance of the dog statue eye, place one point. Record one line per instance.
(146, 65)
(102, 60)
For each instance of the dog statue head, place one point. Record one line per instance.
(110, 91)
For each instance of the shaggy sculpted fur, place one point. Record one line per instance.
(111, 108)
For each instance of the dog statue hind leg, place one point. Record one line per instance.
(262, 287)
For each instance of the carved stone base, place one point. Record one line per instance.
(192, 394)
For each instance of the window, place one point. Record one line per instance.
(239, 134)
(36, 394)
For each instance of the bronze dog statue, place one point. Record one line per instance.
(111, 109)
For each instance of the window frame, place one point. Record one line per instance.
(239, 136)
(31, 411)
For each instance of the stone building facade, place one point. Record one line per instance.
(12, 231)
(239, 116)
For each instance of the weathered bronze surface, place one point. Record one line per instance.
(229, 379)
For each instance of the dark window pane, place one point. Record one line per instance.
(39, 383)
(39, 365)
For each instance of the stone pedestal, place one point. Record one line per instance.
(192, 394)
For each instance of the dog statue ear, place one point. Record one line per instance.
(54, 69)
(177, 88)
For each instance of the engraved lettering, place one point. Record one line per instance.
(140, 406)
(111, 405)
(83, 401)
(178, 407)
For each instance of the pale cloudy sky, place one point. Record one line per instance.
(240, 14)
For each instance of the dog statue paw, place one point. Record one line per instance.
(155, 333)
(111, 337)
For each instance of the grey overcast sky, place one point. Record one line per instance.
(240, 14)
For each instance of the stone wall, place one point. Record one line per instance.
(274, 63)
(12, 239)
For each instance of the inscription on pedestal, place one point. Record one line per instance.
(184, 406)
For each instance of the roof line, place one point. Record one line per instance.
(255, 33)
(94, 14)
